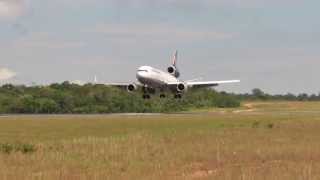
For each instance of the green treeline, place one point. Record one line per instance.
(71, 98)
(258, 94)
(67, 98)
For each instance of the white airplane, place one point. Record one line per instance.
(152, 80)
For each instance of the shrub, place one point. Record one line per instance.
(270, 125)
(255, 124)
(23, 148)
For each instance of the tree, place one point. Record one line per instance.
(47, 106)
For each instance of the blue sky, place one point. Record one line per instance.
(273, 45)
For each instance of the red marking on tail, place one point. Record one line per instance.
(175, 59)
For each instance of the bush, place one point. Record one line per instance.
(270, 125)
(23, 148)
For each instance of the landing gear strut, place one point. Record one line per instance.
(145, 93)
(178, 96)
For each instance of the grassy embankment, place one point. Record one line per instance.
(274, 140)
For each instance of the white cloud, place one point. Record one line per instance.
(6, 74)
(41, 40)
(159, 32)
(11, 8)
(180, 4)
(48, 44)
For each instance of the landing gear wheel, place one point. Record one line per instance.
(146, 96)
(162, 96)
(178, 96)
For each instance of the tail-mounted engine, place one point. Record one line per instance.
(173, 71)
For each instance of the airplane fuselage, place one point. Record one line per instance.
(156, 78)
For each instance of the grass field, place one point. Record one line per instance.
(273, 140)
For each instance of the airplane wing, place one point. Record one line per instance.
(128, 86)
(117, 84)
(200, 84)
(210, 83)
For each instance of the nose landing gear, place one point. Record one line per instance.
(145, 93)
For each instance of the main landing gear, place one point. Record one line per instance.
(162, 96)
(148, 91)
(146, 96)
(178, 96)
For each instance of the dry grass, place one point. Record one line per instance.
(279, 140)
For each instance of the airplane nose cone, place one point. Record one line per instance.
(141, 75)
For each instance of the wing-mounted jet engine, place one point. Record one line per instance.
(182, 87)
(132, 87)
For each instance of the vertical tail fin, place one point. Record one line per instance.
(175, 59)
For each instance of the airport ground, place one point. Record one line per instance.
(260, 140)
